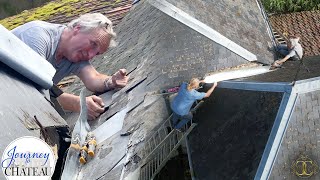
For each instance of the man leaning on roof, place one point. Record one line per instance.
(183, 102)
(69, 49)
(292, 51)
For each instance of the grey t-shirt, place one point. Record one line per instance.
(44, 38)
(296, 50)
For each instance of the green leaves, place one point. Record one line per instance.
(286, 6)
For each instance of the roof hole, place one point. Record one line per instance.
(130, 89)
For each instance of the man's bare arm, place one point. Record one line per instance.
(208, 93)
(98, 82)
(92, 79)
(283, 60)
(71, 102)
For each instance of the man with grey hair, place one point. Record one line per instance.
(293, 50)
(69, 49)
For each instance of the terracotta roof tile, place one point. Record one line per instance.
(63, 11)
(304, 24)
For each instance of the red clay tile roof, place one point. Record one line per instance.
(114, 11)
(63, 11)
(305, 24)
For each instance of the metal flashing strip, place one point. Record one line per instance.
(202, 28)
(308, 85)
(266, 20)
(256, 86)
(275, 138)
(13, 52)
(236, 74)
(110, 127)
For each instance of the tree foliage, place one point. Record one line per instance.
(12, 7)
(286, 6)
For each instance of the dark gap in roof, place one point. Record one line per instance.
(175, 168)
(130, 110)
(99, 93)
(132, 70)
(151, 81)
(137, 84)
(106, 109)
(232, 132)
(111, 116)
(57, 7)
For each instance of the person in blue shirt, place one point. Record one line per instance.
(183, 102)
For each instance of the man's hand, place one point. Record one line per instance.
(281, 61)
(95, 106)
(215, 84)
(208, 93)
(71, 102)
(277, 63)
(97, 82)
(117, 80)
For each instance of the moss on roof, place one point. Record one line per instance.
(41, 13)
(62, 10)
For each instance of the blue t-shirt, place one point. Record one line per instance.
(182, 103)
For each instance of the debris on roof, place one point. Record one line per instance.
(27, 111)
(291, 71)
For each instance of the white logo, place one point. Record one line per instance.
(28, 158)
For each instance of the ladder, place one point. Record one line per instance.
(160, 148)
(278, 37)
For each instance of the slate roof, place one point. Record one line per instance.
(291, 71)
(291, 133)
(66, 10)
(158, 52)
(241, 21)
(298, 127)
(301, 137)
(304, 24)
(232, 132)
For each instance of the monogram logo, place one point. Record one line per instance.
(304, 167)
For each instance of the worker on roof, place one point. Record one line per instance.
(69, 48)
(183, 102)
(293, 51)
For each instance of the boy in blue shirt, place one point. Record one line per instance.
(182, 103)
